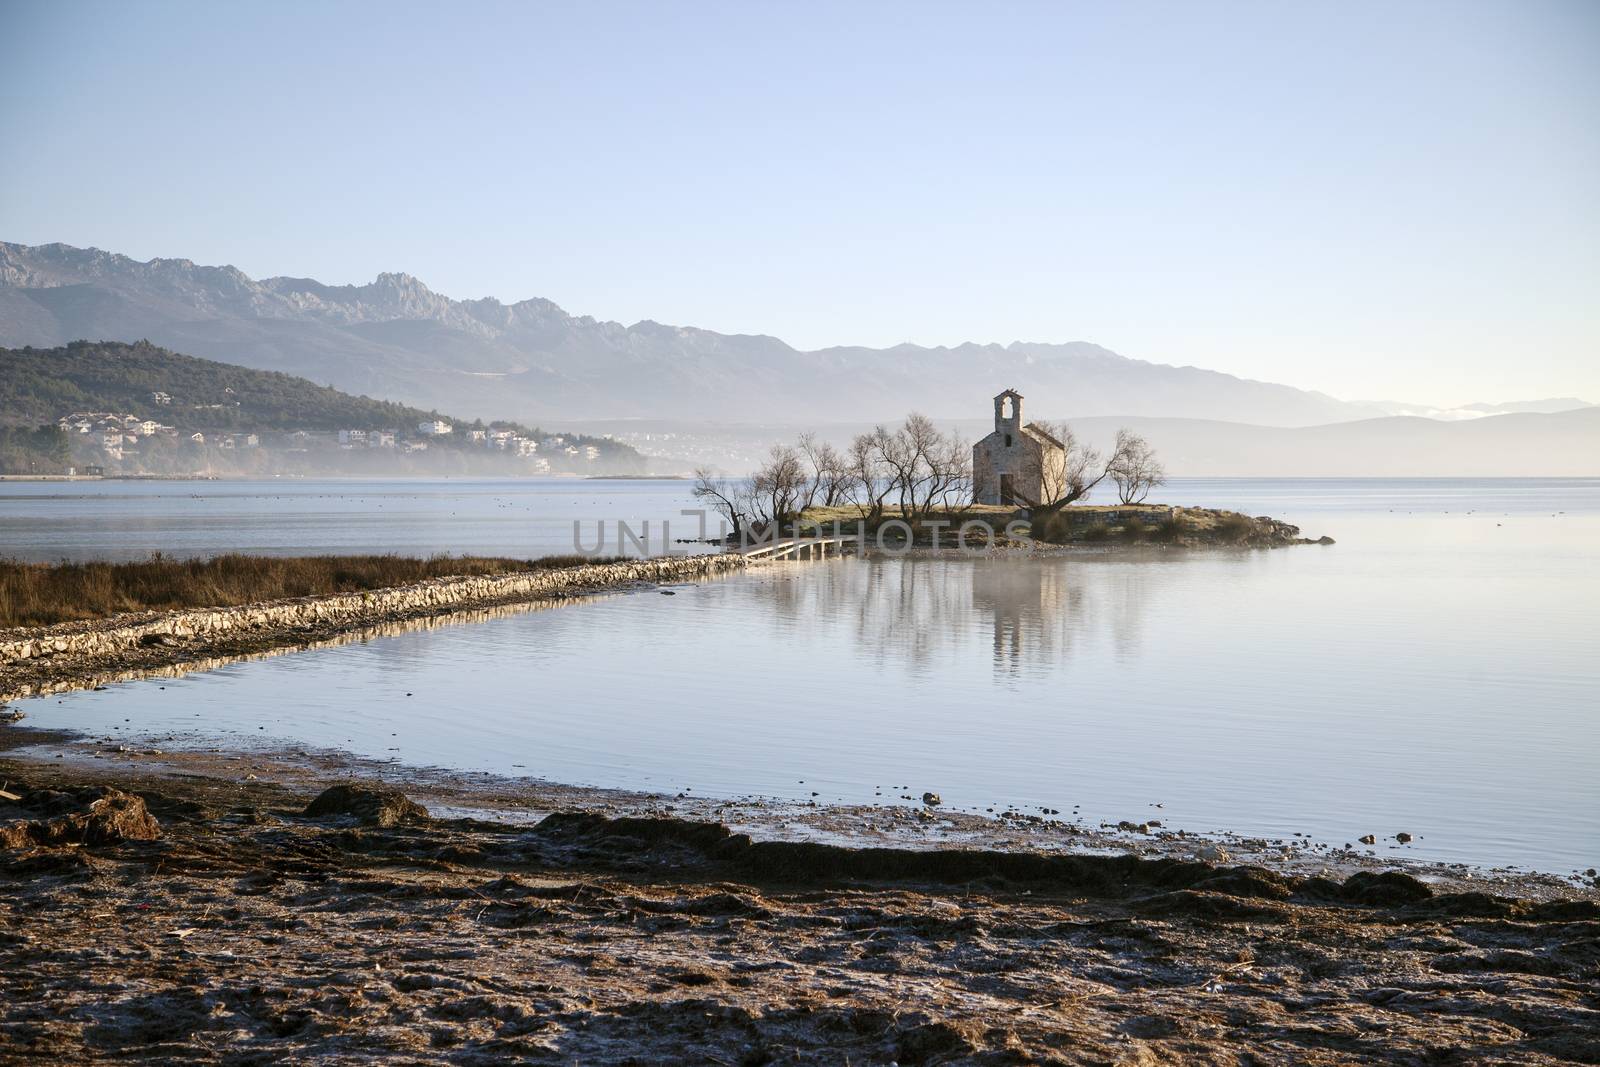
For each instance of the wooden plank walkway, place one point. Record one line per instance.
(801, 547)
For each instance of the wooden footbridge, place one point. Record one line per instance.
(804, 547)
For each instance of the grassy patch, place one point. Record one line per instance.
(848, 515)
(40, 594)
(1133, 531)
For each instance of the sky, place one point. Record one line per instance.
(1395, 200)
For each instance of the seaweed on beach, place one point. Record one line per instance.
(256, 928)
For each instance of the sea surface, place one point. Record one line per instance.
(1437, 671)
(516, 517)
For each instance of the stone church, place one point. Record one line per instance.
(1016, 465)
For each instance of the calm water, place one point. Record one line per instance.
(1434, 672)
(519, 517)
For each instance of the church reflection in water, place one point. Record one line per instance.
(1032, 612)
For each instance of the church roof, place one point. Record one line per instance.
(1038, 431)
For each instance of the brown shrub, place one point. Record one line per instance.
(1170, 530)
(1233, 528)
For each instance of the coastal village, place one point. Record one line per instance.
(104, 442)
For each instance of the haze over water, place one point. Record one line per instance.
(1434, 672)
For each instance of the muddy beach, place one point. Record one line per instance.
(230, 908)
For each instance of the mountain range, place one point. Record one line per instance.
(1518, 444)
(395, 338)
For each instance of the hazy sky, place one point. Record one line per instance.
(1380, 200)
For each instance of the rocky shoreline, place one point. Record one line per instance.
(181, 909)
(1180, 527)
(77, 655)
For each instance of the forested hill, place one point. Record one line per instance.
(39, 385)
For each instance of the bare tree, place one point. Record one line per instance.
(730, 498)
(954, 475)
(842, 484)
(808, 451)
(915, 464)
(939, 468)
(830, 482)
(1074, 477)
(1134, 468)
(902, 457)
(834, 472)
(781, 484)
(873, 474)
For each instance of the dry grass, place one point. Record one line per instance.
(847, 516)
(41, 594)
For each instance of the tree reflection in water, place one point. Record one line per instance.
(1032, 611)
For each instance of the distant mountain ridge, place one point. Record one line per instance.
(398, 339)
(1515, 445)
(1548, 406)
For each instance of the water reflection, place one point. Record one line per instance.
(1032, 612)
(1433, 674)
(364, 635)
(1035, 613)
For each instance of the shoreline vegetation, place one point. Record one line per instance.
(1079, 524)
(44, 594)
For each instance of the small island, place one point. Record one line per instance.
(1024, 483)
(1088, 524)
